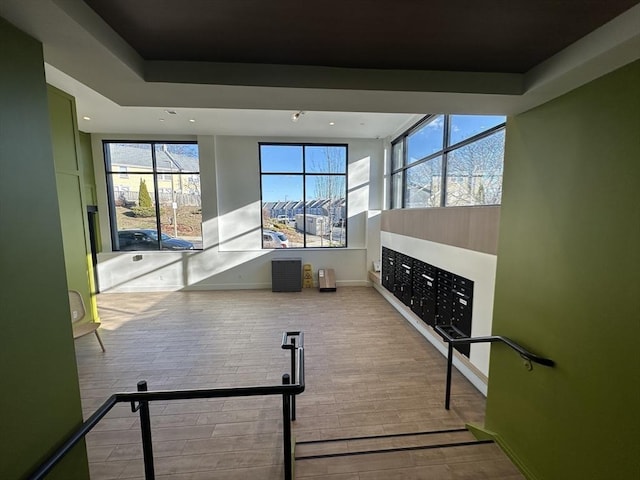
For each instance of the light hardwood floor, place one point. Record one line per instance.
(368, 372)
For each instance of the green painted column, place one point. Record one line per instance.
(40, 400)
(567, 285)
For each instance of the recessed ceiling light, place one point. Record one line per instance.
(192, 120)
(332, 123)
(161, 119)
(86, 118)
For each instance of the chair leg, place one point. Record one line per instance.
(99, 340)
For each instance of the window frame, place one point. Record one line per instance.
(447, 149)
(155, 174)
(304, 175)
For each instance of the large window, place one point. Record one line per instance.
(467, 151)
(154, 187)
(304, 195)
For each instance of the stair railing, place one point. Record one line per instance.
(140, 402)
(454, 336)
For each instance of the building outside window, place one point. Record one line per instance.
(160, 193)
(304, 195)
(467, 151)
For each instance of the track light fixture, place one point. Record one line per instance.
(296, 116)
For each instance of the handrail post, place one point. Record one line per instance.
(293, 376)
(145, 429)
(286, 429)
(447, 394)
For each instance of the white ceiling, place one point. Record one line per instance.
(108, 117)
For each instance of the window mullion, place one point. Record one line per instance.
(403, 167)
(475, 138)
(156, 194)
(111, 197)
(405, 161)
(445, 156)
(304, 197)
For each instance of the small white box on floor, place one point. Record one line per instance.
(326, 280)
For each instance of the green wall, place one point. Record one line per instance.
(567, 285)
(40, 400)
(68, 156)
(86, 167)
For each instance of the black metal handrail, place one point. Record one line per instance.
(292, 346)
(454, 336)
(288, 389)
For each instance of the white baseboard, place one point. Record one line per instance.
(218, 286)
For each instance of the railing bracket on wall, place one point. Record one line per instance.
(453, 336)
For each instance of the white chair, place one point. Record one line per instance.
(78, 312)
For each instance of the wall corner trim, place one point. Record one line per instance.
(482, 433)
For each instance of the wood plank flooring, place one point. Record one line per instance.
(368, 372)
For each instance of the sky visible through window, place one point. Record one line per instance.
(426, 141)
(285, 159)
(466, 126)
(281, 158)
(281, 188)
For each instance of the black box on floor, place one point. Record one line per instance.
(286, 275)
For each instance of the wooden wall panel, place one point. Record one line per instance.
(473, 228)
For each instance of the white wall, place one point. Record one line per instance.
(232, 257)
(377, 199)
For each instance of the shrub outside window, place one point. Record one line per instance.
(160, 193)
(304, 195)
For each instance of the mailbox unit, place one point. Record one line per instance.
(435, 295)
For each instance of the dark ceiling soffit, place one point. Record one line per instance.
(308, 76)
(457, 35)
